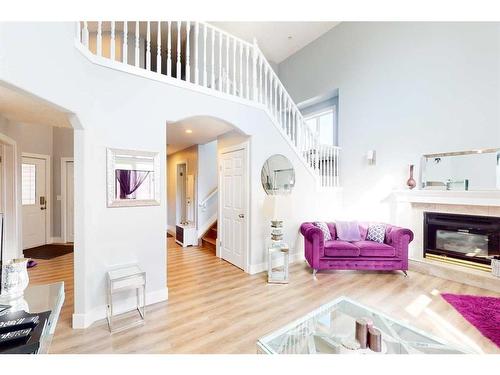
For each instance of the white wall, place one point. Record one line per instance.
(207, 182)
(122, 110)
(405, 89)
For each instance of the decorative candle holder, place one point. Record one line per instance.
(375, 339)
(362, 326)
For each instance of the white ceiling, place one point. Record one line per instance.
(20, 107)
(204, 129)
(273, 37)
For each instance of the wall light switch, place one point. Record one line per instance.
(58, 197)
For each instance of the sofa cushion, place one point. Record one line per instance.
(374, 249)
(340, 249)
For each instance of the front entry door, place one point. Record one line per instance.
(233, 197)
(34, 202)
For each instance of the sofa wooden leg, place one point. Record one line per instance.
(405, 273)
(314, 272)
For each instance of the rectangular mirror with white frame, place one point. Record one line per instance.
(465, 170)
(133, 178)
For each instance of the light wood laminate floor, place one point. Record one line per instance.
(214, 307)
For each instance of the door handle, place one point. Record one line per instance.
(241, 216)
(43, 203)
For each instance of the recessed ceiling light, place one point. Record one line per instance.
(189, 131)
(290, 37)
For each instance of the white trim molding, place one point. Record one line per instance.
(64, 219)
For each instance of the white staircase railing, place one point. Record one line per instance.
(203, 204)
(203, 55)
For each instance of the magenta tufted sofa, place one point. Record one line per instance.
(359, 255)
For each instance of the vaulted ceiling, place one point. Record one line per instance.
(278, 40)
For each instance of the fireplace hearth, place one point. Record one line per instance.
(466, 240)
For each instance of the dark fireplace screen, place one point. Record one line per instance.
(466, 237)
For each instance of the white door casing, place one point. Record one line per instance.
(233, 206)
(34, 198)
(67, 199)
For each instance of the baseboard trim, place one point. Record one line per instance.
(261, 267)
(56, 240)
(85, 320)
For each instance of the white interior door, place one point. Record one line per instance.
(233, 196)
(70, 200)
(34, 202)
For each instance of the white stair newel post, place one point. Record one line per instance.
(247, 89)
(125, 45)
(205, 81)
(220, 61)
(158, 49)
(188, 65)
(212, 68)
(196, 45)
(234, 66)
(99, 38)
(148, 46)
(85, 36)
(254, 69)
(137, 49)
(112, 42)
(169, 48)
(178, 66)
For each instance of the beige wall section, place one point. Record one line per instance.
(189, 155)
(46, 140)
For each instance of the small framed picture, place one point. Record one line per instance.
(133, 178)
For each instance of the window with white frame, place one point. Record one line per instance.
(323, 123)
(28, 184)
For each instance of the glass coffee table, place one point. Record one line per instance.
(330, 329)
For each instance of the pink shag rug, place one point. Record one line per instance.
(482, 312)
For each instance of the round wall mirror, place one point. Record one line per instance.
(278, 175)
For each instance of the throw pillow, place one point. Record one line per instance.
(324, 228)
(376, 233)
(348, 230)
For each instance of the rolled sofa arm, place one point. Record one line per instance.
(400, 239)
(314, 244)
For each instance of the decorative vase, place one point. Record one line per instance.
(411, 183)
(14, 279)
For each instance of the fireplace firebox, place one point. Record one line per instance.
(462, 239)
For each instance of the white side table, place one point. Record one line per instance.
(121, 280)
(278, 274)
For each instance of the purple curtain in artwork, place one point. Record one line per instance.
(130, 181)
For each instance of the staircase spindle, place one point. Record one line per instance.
(254, 69)
(79, 31)
(137, 49)
(99, 38)
(220, 61)
(234, 66)
(85, 36)
(148, 46)
(196, 62)
(261, 77)
(158, 49)
(247, 63)
(241, 69)
(112, 42)
(227, 65)
(265, 85)
(178, 66)
(212, 68)
(125, 46)
(188, 65)
(169, 48)
(205, 81)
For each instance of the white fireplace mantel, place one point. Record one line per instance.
(470, 198)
